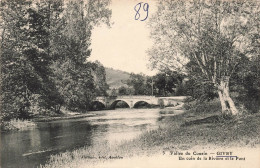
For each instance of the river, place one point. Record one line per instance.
(30, 148)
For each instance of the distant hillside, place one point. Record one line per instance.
(115, 77)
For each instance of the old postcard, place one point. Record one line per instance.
(130, 84)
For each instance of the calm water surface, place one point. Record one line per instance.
(30, 148)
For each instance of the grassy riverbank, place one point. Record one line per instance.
(201, 125)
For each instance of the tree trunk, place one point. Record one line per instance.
(227, 104)
(222, 101)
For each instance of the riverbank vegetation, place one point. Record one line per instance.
(17, 124)
(208, 50)
(44, 50)
(201, 124)
(216, 43)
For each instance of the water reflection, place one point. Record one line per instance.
(33, 147)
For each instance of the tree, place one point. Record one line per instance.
(125, 91)
(14, 92)
(44, 50)
(113, 92)
(99, 74)
(167, 82)
(200, 91)
(140, 84)
(214, 36)
(26, 57)
(79, 81)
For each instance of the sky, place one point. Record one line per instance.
(124, 45)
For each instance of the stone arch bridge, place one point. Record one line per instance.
(133, 100)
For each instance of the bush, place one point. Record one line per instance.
(212, 106)
(202, 91)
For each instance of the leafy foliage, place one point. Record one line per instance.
(207, 39)
(44, 48)
(162, 84)
(139, 83)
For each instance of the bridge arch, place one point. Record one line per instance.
(141, 103)
(114, 103)
(97, 105)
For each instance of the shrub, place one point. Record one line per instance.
(203, 107)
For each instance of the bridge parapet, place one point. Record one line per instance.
(135, 97)
(176, 98)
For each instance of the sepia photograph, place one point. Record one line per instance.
(130, 83)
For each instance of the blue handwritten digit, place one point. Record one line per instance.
(137, 15)
(146, 8)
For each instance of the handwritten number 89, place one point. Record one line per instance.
(137, 9)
